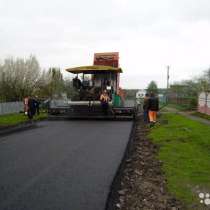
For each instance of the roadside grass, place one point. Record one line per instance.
(162, 105)
(184, 150)
(204, 116)
(14, 119)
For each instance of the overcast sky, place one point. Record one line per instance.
(149, 35)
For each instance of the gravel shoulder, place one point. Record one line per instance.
(140, 183)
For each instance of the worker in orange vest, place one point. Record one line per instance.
(153, 108)
(104, 98)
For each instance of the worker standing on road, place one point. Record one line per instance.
(104, 98)
(153, 107)
(146, 108)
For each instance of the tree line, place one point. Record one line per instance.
(193, 87)
(189, 88)
(24, 77)
(185, 92)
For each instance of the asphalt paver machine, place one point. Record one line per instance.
(88, 84)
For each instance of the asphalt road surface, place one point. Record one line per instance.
(63, 165)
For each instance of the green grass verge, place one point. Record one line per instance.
(14, 119)
(184, 150)
(162, 105)
(204, 116)
(179, 107)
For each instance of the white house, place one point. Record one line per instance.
(140, 94)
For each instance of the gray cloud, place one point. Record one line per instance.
(149, 34)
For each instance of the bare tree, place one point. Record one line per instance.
(18, 77)
(51, 84)
(21, 77)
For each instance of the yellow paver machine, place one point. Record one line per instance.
(89, 83)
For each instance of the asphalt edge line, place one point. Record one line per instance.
(113, 193)
(19, 127)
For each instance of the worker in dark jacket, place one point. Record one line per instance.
(145, 108)
(37, 103)
(31, 108)
(77, 84)
(153, 108)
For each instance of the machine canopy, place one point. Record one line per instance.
(94, 69)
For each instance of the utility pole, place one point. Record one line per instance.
(168, 68)
(167, 89)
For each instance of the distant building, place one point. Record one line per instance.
(204, 103)
(177, 91)
(140, 94)
(140, 98)
(179, 94)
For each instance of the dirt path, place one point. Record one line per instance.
(141, 183)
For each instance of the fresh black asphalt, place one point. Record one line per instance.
(62, 165)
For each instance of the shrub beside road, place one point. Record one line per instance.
(184, 147)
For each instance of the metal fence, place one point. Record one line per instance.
(11, 107)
